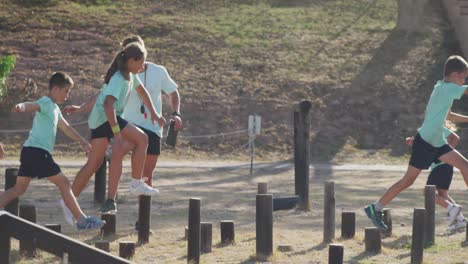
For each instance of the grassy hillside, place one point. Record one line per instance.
(367, 83)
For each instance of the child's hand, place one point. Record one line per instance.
(85, 145)
(409, 141)
(155, 118)
(70, 109)
(21, 107)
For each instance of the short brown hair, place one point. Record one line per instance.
(454, 63)
(60, 79)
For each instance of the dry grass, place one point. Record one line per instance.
(229, 194)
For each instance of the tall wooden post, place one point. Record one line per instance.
(429, 223)
(28, 247)
(302, 153)
(144, 218)
(193, 245)
(100, 183)
(417, 240)
(264, 226)
(329, 212)
(10, 182)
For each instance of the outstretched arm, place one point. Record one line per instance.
(457, 118)
(84, 107)
(73, 134)
(26, 107)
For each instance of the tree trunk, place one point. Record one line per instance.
(411, 15)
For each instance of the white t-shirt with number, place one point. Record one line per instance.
(156, 79)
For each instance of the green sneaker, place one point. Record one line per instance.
(376, 217)
(109, 207)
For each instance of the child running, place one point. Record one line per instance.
(441, 176)
(36, 154)
(429, 143)
(105, 122)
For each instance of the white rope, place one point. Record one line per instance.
(218, 134)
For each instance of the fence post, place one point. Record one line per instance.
(262, 188)
(126, 249)
(302, 153)
(109, 227)
(335, 254)
(372, 240)
(329, 212)
(264, 226)
(144, 218)
(10, 182)
(102, 245)
(206, 237)
(28, 247)
(348, 224)
(429, 221)
(227, 231)
(193, 245)
(417, 241)
(100, 183)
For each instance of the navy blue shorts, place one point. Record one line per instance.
(441, 176)
(37, 162)
(154, 142)
(105, 131)
(423, 153)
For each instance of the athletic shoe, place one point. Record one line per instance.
(143, 189)
(89, 222)
(109, 207)
(376, 217)
(67, 213)
(453, 213)
(459, 225)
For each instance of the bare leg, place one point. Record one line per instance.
(150, 165)
(95, 158)
(20, 187)
(457, 160)
(411, 174)
(140, 140)
(115, 168)
(441, 198)
(65, 189)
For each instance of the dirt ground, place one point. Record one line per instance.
(228, 193)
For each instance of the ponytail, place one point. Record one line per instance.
(119, 63)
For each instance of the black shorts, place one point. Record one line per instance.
(423, 153)
(37, 162)
(154, 142)
(105, 130)
(441, 176)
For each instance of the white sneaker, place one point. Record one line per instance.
(459, 225)
(143, 189)
(67, 213)
(453, 213)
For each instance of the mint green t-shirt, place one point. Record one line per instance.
(119, 88)
(156, 80)
(44, 129)
(437, 108)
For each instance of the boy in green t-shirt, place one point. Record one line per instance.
(36, 159)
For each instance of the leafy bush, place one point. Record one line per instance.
(6, 64)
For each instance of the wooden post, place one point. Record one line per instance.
(387, 219)
(206, 237)
(417, 241)
(100, 183)
(262, 188)
(302, 153)
(55, 227)
(335, 254)
(193, 245)
(109, 227)
(5, 245)
(372, 240)
(28, 246)
(126, 249)
(144, 218)
(227, 231)
(285, 203)
(102, 245)
(329, 212)
(348, 224)
(264, 226)
(10, 182)
(429, 221)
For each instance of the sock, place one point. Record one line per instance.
(378, 206)
(136, 182)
